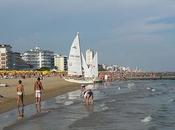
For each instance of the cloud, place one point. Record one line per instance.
(159, 24)
(122, 25)
(144, 26)
(158, 27)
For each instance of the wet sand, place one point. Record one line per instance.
(53, 86)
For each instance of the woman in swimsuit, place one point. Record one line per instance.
(20, 94)
(88, 96)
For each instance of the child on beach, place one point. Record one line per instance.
(20, 94)
(83, 90)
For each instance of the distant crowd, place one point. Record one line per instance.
(28, 74)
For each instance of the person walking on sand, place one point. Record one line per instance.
(38, 88)
(20, 94)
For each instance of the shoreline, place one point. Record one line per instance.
(148, 78)
(54, 86)
(9, 102)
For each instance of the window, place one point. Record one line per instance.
(3, 58)
(3, 62)
(3, 54)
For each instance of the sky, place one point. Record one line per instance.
(134, 33)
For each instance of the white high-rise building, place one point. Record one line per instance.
(89, 56)
(39, 58)
(60, 62)
(5, 56)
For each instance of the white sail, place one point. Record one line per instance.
(87, 72)
(77, 61)
(94, 66)
(74, 61)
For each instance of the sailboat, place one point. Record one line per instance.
(87, 72)
(94, 69)
(78, 70)
(74, 61)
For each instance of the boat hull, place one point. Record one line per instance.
(80, 81)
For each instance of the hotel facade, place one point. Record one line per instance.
(39, 58)
(10, 59)
(60, 62)
(5, 56)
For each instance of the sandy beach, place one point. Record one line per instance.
(53, 86)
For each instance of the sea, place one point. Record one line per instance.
(119, 105)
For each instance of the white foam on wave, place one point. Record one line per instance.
(148, 88)
(153, 90)
(60, 99)
(67, 103)
(130, 85)
(113, 100)
(104, 107)
(74, 95)
(146, 119)
(90, 86)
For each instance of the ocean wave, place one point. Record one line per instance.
(67, 103)
(146, 119)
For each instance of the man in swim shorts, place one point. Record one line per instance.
(20, 94)
(38, 88)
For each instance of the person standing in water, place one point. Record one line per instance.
(83, 90)
(38, 88)
(87, 95)
(20, 94)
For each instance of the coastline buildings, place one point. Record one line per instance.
(5, 56)
(60, 62)
(38, 58)
(89, 56)
(18, 62)
(10, 59)
(32, 59)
